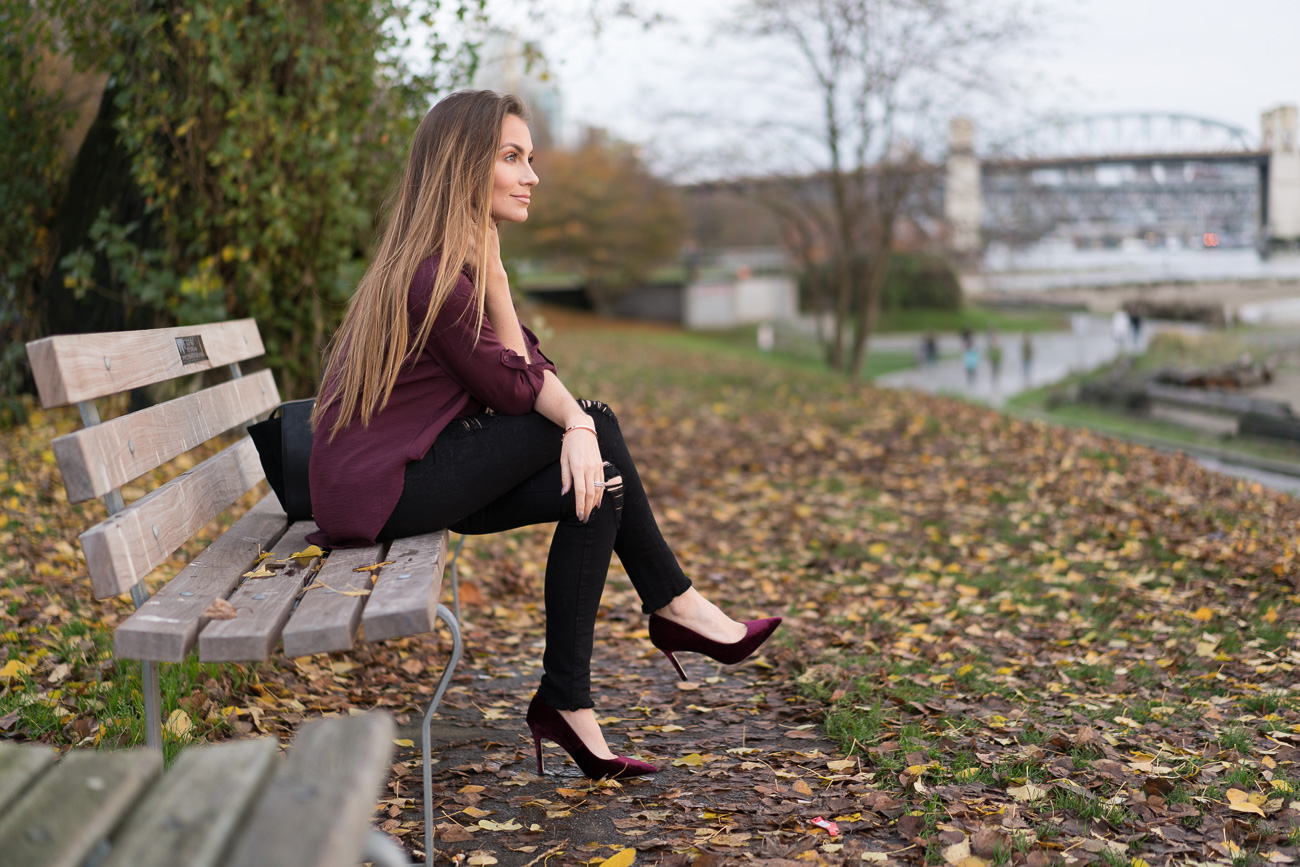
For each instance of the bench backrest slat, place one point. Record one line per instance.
(329, 783)
(191, 816)
(65, 816)
(19, 766)
(123, 548)
(97, 459)
(166, 628)
(69, 368)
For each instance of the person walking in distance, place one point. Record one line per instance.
(439, 409)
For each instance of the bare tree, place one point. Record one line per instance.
(873, 76)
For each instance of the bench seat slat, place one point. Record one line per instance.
(327, 618)
(19, 766)
(316, 810)
(166, 628)
(97, 459)
(405, 597)
(254, 633)
(123, 548)
(73, 367)
(192, 814)
(63, 818)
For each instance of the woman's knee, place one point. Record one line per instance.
(600, 413)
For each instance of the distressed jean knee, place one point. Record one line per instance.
(594, 408)
(613, 487)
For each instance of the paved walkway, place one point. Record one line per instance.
(1056, 355)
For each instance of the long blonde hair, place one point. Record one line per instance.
(442, 208)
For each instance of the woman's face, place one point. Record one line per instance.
(513, 187)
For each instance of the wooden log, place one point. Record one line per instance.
(194, 813)
(329, 614)
(74, 367)
(263, 604)
(1219, 401)
(166, 628)
(123, 548)
(74, 807)
(316, 812)
(97, 459)
(405, 597)
(19, 767)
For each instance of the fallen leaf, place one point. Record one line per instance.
(1240, 801)
(178, 724)
(220, 609)
(374, 566)
(1028, 792)
(622, 858)
(14, 668)
(260, 572)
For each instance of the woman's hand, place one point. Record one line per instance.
(496, 268)
(582, 468)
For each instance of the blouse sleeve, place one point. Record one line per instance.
(496, 376)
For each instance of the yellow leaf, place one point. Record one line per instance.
(966, 773)
(802, 788)
(694, 760)
(260, 572)
(476, 813)
(374, 567)
(1240, 801)
(507, 825)
(1027, 792)
(481, 859)
(178, 725)
(837, 765)
(305, 554)
(14, 668)
(404, 742)
(620, 859)
(1203, 613)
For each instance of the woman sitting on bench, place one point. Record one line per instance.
(440, 410)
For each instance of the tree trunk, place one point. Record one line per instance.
(870, 312)
(100, 178)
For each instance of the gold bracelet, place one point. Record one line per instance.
(590, 430)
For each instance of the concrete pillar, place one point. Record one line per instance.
(1281, 138)
(963, 203)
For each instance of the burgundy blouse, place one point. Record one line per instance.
(356, 480)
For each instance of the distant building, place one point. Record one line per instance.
(509, 64)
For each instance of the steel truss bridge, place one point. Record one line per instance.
(1102, 178)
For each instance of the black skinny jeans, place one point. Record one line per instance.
(494, 472)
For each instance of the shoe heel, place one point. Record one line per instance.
(537, 746)
(677, 665)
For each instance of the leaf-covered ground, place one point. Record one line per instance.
(1006, 642)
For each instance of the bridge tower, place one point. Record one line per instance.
(963, 204)
(1280, 136)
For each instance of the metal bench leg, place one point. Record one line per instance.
(381, 851)
(149, 684)
(445, 615)
(455, 578)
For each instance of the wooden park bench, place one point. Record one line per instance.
(308, 603)
(234, 804)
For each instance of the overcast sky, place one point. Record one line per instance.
(1223, 60)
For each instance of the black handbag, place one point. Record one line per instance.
(284, 444)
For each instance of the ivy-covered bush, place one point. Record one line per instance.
(260, 138)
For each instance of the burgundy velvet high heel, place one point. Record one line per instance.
(674, 638)
(546, 722)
